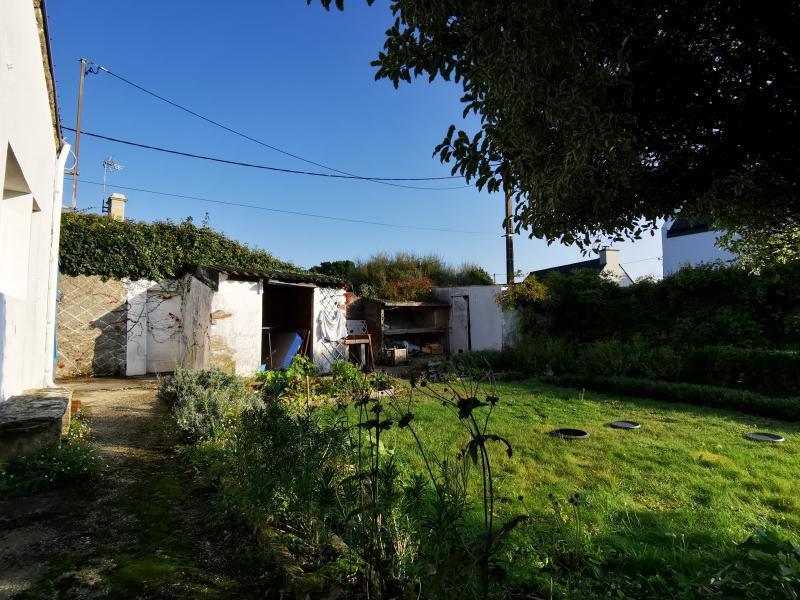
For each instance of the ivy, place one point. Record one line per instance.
(96, 245)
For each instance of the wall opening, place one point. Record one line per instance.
(287, 323)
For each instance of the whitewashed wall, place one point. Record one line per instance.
(235, 336)
(30, 208)
(692, 249)
(491, 328)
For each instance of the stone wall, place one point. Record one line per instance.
(92, 322)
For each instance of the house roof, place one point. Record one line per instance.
(682, 226)
(40, 11)
(210, 276)
(592, 265)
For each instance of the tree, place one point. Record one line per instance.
(343, 269)
(603, 116)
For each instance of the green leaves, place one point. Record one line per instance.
(95, 245)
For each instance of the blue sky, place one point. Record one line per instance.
(298, 78)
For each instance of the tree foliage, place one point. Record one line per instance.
(602, 117)
(95, 245)
(403, 276)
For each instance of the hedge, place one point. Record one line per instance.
(694, 307)
(749, 402)
(96, 245)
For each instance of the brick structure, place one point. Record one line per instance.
(92, 326)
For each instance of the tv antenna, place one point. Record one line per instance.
(108, 165)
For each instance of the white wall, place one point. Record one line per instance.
(691, 249)
(490, 327)
(235, 341)
(30, 208)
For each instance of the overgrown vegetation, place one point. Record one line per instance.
(94, 245)
(403, 496)
(404, 276)
(73, 462)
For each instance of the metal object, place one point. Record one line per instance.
(570, 434)
(78, 136)
(509, 222)
(625, 425)
(108, 165)
(763, 436)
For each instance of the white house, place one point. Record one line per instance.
(691, 243)
(32, 159)
(607, 264)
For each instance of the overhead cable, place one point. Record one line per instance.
(254, 165)
(288, 212)
(95, 68)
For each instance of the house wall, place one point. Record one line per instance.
(490, 327)
(92, 326)
(197, 302)
(31, 166)
(691, 249)
(234, 341)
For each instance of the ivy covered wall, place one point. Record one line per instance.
(97, 245)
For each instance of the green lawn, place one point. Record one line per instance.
(668, 500)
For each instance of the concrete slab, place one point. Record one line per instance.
(32, 421)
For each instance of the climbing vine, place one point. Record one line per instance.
(96, 245)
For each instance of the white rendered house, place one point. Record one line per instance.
(32, 159)
(690, 243)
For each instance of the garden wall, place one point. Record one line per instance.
(92, 320)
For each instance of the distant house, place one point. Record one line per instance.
(607, 264)
(686, 242)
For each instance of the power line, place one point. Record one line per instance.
(257, 166)
(289, 212)
(382, 180)
(630, 262)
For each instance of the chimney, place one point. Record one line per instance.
(115, 206)
(609, 257)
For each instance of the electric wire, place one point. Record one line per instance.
(288, 212)
(246, 164)
(94, 68)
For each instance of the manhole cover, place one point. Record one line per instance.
(625, 425)
(570, 434)
(762, 436)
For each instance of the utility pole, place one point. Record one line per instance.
(78, 136)
(509, 241)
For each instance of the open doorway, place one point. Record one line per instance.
(287, 323)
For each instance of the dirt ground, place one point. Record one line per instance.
(143, 530)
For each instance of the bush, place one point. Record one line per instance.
(73, 462)
(701, 306)
(204, 404)
(769, 372)
(95, 245)
(346, 381)
(689, 393)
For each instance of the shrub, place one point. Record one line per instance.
(701, 306)
(95, 245)
(346, 381)
(689, 393)
(73, 462)
(770, 372)
(204, 404)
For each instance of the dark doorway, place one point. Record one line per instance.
(287, 323)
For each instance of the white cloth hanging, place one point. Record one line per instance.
(333, 325)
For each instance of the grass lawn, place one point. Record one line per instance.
(668, 501)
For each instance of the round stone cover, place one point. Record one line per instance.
(763, 436)
(570, 434)
(625, 425)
